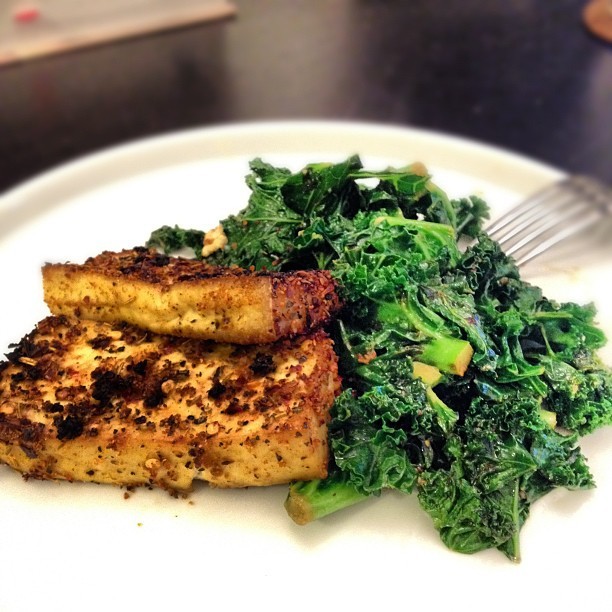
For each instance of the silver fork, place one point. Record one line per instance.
(552, 216)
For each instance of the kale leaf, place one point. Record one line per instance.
(462, 382)
(174, 239)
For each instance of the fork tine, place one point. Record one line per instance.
(546, 223)
(555, 201)
(545, 195)
(553, 214)
(541, 246)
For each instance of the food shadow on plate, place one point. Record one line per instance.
(566, 503)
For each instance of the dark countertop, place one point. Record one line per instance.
(521, 75)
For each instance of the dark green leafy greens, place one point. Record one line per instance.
(174, 239)
(517, 378)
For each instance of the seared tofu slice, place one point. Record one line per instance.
(186, 297)
(90, 401)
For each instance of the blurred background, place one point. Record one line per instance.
(526, 75)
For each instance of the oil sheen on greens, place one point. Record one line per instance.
(462, 383)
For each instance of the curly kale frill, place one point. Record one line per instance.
(175, 239)
(381, 435)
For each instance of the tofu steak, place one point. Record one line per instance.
(111, 403)
(187, 297)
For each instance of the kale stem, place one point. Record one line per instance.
(552, 315)
(433, 228)
(448, 354)
(309, 501)
(277, 220)
(549, 350)
(515, 550)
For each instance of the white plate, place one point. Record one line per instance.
(85, 547)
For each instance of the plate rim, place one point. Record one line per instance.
(70, 178)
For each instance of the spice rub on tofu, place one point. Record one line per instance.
(186, 297)
(90, 401)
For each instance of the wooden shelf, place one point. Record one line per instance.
(34, 30)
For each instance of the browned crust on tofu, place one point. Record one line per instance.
(186, 297)
(89, 401)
